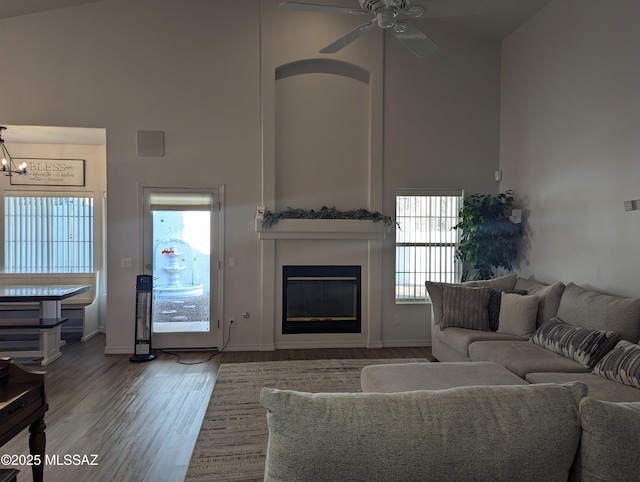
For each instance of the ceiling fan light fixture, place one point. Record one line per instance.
(386, 18)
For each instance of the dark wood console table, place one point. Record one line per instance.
(23, 404)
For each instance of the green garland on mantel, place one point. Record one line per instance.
(325, 213)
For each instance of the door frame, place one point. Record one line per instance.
(217, 265)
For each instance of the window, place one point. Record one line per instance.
(48, 233)
(426, 241)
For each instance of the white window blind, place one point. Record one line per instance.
(426, 241)
(48, 233)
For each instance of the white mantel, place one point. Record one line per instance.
(322, 229)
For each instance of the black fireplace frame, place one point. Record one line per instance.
(324, 325)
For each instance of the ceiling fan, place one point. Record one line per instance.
(389, 14)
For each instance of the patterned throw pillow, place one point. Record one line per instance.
(493, 308)
(581, 344)
(622, 364)
(465, 307)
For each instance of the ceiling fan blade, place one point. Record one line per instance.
(451, 8)
(347, 39)
(312, 7)
(414, 39)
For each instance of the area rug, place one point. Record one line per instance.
(232, 441)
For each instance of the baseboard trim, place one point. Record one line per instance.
(405, 343)
(118, 350)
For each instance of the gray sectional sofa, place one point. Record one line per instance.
(575, 334)
(532, 432)
(536, 382)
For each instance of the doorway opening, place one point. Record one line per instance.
(182, 244)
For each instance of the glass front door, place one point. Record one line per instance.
(180, 250)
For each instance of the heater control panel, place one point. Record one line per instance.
(144, 283)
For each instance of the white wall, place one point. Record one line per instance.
(569, 141)
(193, 70)
(441, 131)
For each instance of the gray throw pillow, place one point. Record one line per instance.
(622, 364)
(609, 441)
(465, 307)
(549, 297)
(577, 343)
(518, 314)
(494, 306)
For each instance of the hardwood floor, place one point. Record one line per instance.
(140, 419)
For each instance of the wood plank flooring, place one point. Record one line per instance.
(140, 419)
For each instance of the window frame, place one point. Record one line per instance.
(93, 226)
(457, 264)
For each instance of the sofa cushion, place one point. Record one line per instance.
(435, 291)
(502, 283)
(518, 314)
(522, 357)
(581, 344)
(461, 338)
(404, 377)
(412, 435)
(599, 387)
(609, 441)
(465, 307)
(548, 295)
(590, 309)
(622, 364)
(444, 352)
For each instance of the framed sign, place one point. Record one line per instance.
(51, 172)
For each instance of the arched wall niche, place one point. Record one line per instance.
(322, 134)
(324, 66)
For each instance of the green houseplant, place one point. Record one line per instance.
(488, 239)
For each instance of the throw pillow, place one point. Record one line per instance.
(517, 314)
(434, 289)
(493, 307)
(465, 307)
(622, 364)
(435, 295)
(580, 344)
(549, 297)
(609, 441)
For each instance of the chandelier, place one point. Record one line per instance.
(8, 166)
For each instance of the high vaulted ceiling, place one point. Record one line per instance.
(502, 17)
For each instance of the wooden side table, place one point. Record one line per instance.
(23, 404)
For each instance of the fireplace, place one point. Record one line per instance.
(321, 299)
